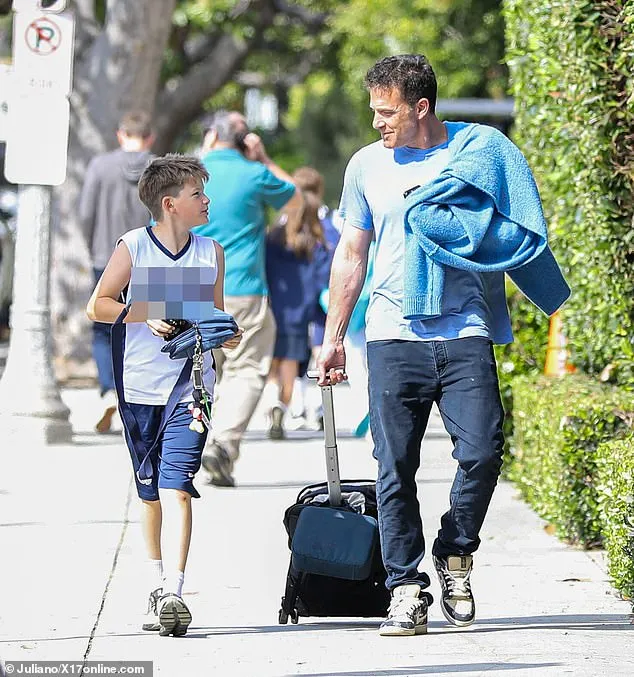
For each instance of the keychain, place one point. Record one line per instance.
(200, 408)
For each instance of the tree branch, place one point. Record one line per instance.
(313, 20)
(180, 104)
(181, 101)
(288, 79)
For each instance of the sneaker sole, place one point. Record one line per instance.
(151, 627)
(403, 632)
(276, 433)
(220, 477)
(174, 618)
(276, 430)
(105, 422)
(453, 621)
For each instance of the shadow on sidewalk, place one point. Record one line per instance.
(559, 622)
(432, 670)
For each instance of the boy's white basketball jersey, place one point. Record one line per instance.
(149, 375)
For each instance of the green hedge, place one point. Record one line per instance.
(559, 424)
(615, 480)
(526, 356)
(571, 72)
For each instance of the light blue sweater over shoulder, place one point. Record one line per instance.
(482, 213)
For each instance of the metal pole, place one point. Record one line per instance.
(30, 402)
(332, 457)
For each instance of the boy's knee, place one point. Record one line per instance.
(179, 495)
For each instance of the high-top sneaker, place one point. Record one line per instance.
(457, 601)
(407, 614)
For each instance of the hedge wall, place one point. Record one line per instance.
(615, 480)
(559, 425)
(571, 63)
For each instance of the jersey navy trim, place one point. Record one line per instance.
(166, 251)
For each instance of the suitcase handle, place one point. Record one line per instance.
(330, 434)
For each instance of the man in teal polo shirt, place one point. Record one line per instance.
(243, 181)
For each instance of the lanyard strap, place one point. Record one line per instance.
(142, 451)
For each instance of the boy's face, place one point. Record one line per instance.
(191, 204)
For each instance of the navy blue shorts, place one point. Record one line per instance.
(175, 458)
(292, 347)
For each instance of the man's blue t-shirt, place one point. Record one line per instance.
(372, 197)
(239, 191)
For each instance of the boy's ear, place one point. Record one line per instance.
(167, 203)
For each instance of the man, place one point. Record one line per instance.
(109, 206)
(430, 325)
(243, 181)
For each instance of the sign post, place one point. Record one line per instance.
(37, 144)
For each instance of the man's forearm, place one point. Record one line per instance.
(277, 170)
(346, 281)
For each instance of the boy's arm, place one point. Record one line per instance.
(219, 287)
(104, 304)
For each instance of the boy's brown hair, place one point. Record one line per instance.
(136, 123)
(167, 175)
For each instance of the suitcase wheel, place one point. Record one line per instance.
(282, 617)
(294, 616)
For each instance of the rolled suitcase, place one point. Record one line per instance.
(335, 566)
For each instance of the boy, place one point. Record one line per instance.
(166, 454)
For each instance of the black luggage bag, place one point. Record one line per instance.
(335, 567)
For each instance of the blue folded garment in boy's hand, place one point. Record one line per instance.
(214, 332)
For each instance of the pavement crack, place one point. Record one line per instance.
(113, 568)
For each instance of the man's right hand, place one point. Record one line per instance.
(331, 363)
(255, 148)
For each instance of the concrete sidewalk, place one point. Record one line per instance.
(72, 579)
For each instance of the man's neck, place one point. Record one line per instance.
(433, 133)
(132, 145)
(219, 145)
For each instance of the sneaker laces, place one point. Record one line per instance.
(458, 584)
(404, 606)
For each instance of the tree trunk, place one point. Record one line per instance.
(116, 71)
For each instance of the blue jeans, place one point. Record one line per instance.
(405, 379)
(101, 349)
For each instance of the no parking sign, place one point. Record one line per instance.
(38, 107)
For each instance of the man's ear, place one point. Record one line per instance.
(210, 139)
(422, 108)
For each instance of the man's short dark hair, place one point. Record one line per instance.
(136, 123)
(410, 74)
(167, 175)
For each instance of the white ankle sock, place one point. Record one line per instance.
(173, 582)
(155, 573)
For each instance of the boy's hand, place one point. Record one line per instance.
(160, 328)
(234, 341)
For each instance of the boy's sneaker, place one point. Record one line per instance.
(173, 614)
(151, 621)
(457, 602)
(407, 614)
(276, 430)
(218, 464)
